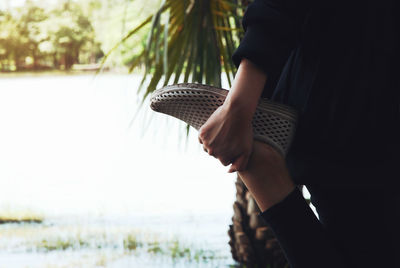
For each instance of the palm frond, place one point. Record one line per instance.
(189, 40)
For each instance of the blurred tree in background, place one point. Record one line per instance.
(11, 42)
(32, 37)
(71, 37)
(56, 34)
(29, 28)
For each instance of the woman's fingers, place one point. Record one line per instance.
(203, 131)
(209, 150)
(224, 158)
(240, 163)
(225, 161)
(227, 157)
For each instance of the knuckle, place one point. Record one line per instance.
(201, 135)
(211, 151)
(225, 162)
(202, 132)
(213, 146)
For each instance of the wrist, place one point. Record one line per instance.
(246, 89)
(240, 107)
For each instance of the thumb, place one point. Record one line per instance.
(239, 164)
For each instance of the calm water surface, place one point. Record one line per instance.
(70, 151)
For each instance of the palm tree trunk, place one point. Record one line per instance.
(251, 240)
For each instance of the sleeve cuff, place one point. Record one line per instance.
(288, 206)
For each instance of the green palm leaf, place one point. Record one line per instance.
(191, 40)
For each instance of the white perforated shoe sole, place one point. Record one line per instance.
(273, 123)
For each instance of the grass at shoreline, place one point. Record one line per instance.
(174, 249)
(20, 216)
(113, 242)
(18, 220)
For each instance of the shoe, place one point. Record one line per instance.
(273, 123)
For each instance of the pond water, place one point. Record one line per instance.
(71, 151)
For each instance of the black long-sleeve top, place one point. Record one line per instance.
(337, 63)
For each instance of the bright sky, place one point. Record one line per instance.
(15, 3)
(5, 3)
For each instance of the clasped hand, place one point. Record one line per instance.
(228, 136)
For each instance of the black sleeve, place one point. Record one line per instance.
(272, 31)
